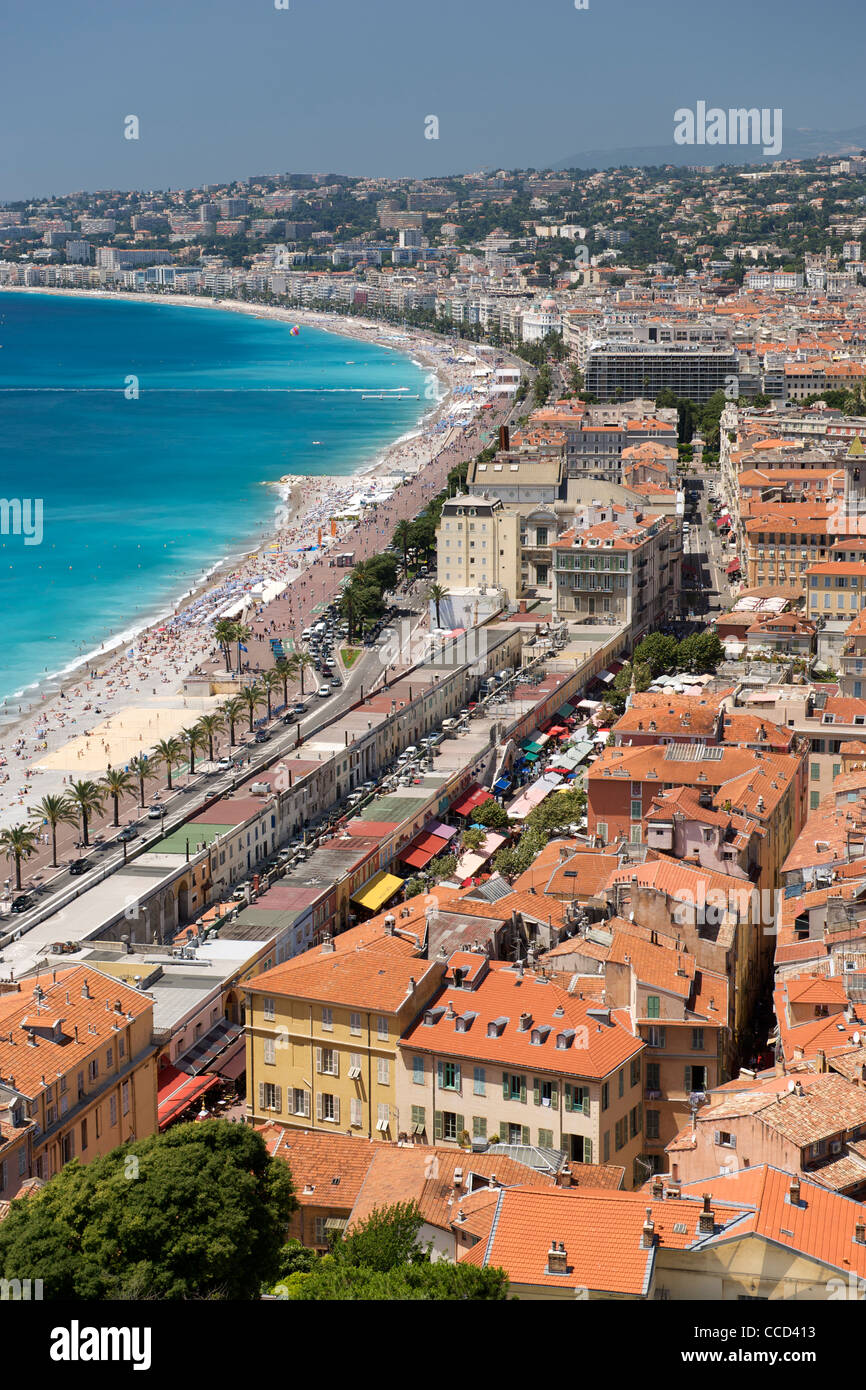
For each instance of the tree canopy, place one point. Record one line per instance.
(199, 1212)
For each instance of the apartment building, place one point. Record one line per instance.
(323, 1032)
(502, 1051)
(76, 1062)
(618, 565)
(619, 367)
(478, 545)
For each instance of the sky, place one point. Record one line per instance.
(224, 89)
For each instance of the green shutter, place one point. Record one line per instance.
(554, 1096)
(523, 1090)
(457, 1080)
(536, 1090)
(587, 1150)
(526, 1134)
(505, 1088)
(584, 1104)
(437, 1124)
(460, 1126)
(567, 1096)
(439, 1072)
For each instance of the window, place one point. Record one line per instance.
(513, 1086)
(725, 1140)
(577, 1098)
(449, 1125)
(328, 1020)
(268, 1009)
(270, 1052)
(93, 1070)
(605, 1096)
(449, 1076)
(652, 1006)
(621, 1082)
(112, 1109)
(382, 1028)
(606, 1148)
(22, 1156)
(328, 1061)
(697, 1040)
(300, 1101)
(621, 1133)
(354, 1066)
(270, 1096)
(83, 1144)
(419, 1119)
(479, 1082)
(545, 1138)
(653, 1073)
(652, 1124)
(328, 1108)
(382, 1116)
(355, 1025)
(121, 1047)
(655, 1037)
(321, 1233)
(695, 1079)
(635, 1071)
(546, 1093)
(479, 1127)
(383, 1071)
(418, 1070)
(635, 1121)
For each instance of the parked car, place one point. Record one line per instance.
(79, 866)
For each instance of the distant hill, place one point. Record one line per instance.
(798, 144)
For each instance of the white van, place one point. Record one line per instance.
(306, 634)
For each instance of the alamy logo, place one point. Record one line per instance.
(738, 126)
(16, 1290)
(22, 516)
(77, 1343)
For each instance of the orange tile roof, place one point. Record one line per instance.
(316, 1160)
(367, 978)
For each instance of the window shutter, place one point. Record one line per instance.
(439, 1072)
(318, 1059)
(319, 1106)
(688, 1080)
(523, 1090)
(460, 1125)
(278, 1102)
(526, 1134)
(733, 1141)
(567, 1096)
(554, 1095)
(261, 1095)
(584, 1104)
(457, 1077)
(536, 1091)
(336, 1062)
(337, 1109)
(437, 1123)
(717, 1137)
(505, 1088)
(587, 1151)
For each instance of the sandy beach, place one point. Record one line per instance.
(127, 695)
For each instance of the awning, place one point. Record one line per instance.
(376, 893)
(605, 677)
(471, 799)
(176, 1091)
(502, 784)
(336, 1223)
(221, 1041)
(733, 567)
(533, 748)
(422, 849)
(440, 830)
(564, 711)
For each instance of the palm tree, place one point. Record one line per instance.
(403, 537)
(19, 842)
(117, 782)
(54, 810)
(252, 697)
(224, 632)
(168, 752)
(193, 739)
(144, 768)
(88, 799)
(269, 681)
(211, 725)
(303, 661)
(286, 668)
(437, 594)
(242, 635)
(232, 710)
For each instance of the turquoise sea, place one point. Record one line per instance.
(140, 497)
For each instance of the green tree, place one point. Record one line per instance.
(658, 651)
(198, 1212)
(491, 814)
(403, 539)
(224, 632)
(303, 662)
(194, 740)
(242, 635)
(252, 696)
(88, 799)
(269, 680)
(437, 594)
(145, 769)
(700, 653)
(440, 1281)
(561, 808)
(54, 810)
(117, 782)
(210, 725)
(18, 842)
(232, 709)
(473, 838)
(168, 752)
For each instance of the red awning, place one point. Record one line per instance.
(422, 849)
(472, 798)
(233, 1065)
(176, 1090)
(733, 567)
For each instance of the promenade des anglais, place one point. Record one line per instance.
(433, 677)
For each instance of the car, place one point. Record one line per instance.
(306, 634)
(224, 764)
(22, 903)
(290, 717)
(299, 708)
(324, 691)
(129, 832)
(155, 812)
(368, 787)
(336, 683)
(261, 736)
(79, 866)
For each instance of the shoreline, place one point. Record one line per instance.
(175, 636)
(241, 548)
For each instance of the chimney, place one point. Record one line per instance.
(647, 1239)
(412, 984)
(794, 1192)
(449, 1013)
(525, 1023)
(658, 1188)
(860, 1233)
(564, 1178)
(328, 943)
(706, 1220)
(557, 1259)
(821, 1059)
(85, 990)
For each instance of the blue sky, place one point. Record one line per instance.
(228, 88)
